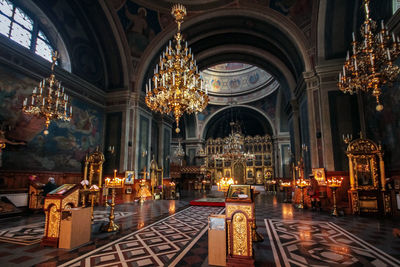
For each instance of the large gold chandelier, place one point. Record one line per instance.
(176, 86)
(49, 100)
(370, 66)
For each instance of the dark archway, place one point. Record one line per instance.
(252, 122)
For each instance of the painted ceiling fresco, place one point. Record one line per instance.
(237, 83)
(143, 19)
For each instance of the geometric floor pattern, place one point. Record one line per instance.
(162, 243)
(33, 233)
(320, 243)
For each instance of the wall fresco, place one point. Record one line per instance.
(64, 148)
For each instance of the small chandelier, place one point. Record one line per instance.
(49, 100)
(371, 64)
(179, 152)
(176, 86)
(233, 147)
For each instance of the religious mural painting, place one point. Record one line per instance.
(67, 143)
(140, 25)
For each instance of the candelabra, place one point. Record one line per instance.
(224, 183)
(301, 183)
(370, 65)
(347, 138)
(286, 186)
(112, 183)
(334, 183)
(177, 86)
(49, 100)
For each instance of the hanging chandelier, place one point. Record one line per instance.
(370, 66)
(49, 100)
(233, 148)
(179, 152)
(176, 86)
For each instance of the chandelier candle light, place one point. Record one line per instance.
(49, 100)
(286, 185)
(334, 183)
(176, 86)
(113, 183)
(370, 66)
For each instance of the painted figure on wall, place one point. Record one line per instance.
(67, 143)
(139, 34)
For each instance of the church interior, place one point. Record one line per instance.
(199, 133)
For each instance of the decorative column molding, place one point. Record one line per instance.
(327, 75)
(312, 87)
(296, 128)
(126, 103)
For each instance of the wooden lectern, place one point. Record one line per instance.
(240, 218)
(62, 198)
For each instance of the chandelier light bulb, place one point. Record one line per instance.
(371, 64)
(49, 101)
(176, 86)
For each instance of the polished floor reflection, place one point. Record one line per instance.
(166, 232)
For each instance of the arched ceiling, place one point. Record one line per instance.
(236, 82)
(192, 5)
(91, 44)
(245, 36)
(252, 123)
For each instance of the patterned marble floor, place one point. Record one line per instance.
(168, 233)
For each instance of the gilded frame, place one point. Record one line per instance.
(373, 170)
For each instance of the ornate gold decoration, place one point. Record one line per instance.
(387, 203)
(259, 157)
(224, 183)
(370, 65)
(240, 234)
(233, 208)
(54, 222)
(94, 162)
(49, 100)
(177, 86)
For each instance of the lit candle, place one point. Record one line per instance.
(70, 110)
(393, 37)
(173, 78)
(115, 173)
(388, 53)
(355, 64)
(25, 101)
(354, 38)
(347, 56)
(344, 71)
(381, 37)
(33, 99)
(372, 59)
(43, 101)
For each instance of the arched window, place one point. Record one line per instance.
(21, 28)
(396, 5)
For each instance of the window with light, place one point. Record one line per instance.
(23, 29)
(396, 5)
